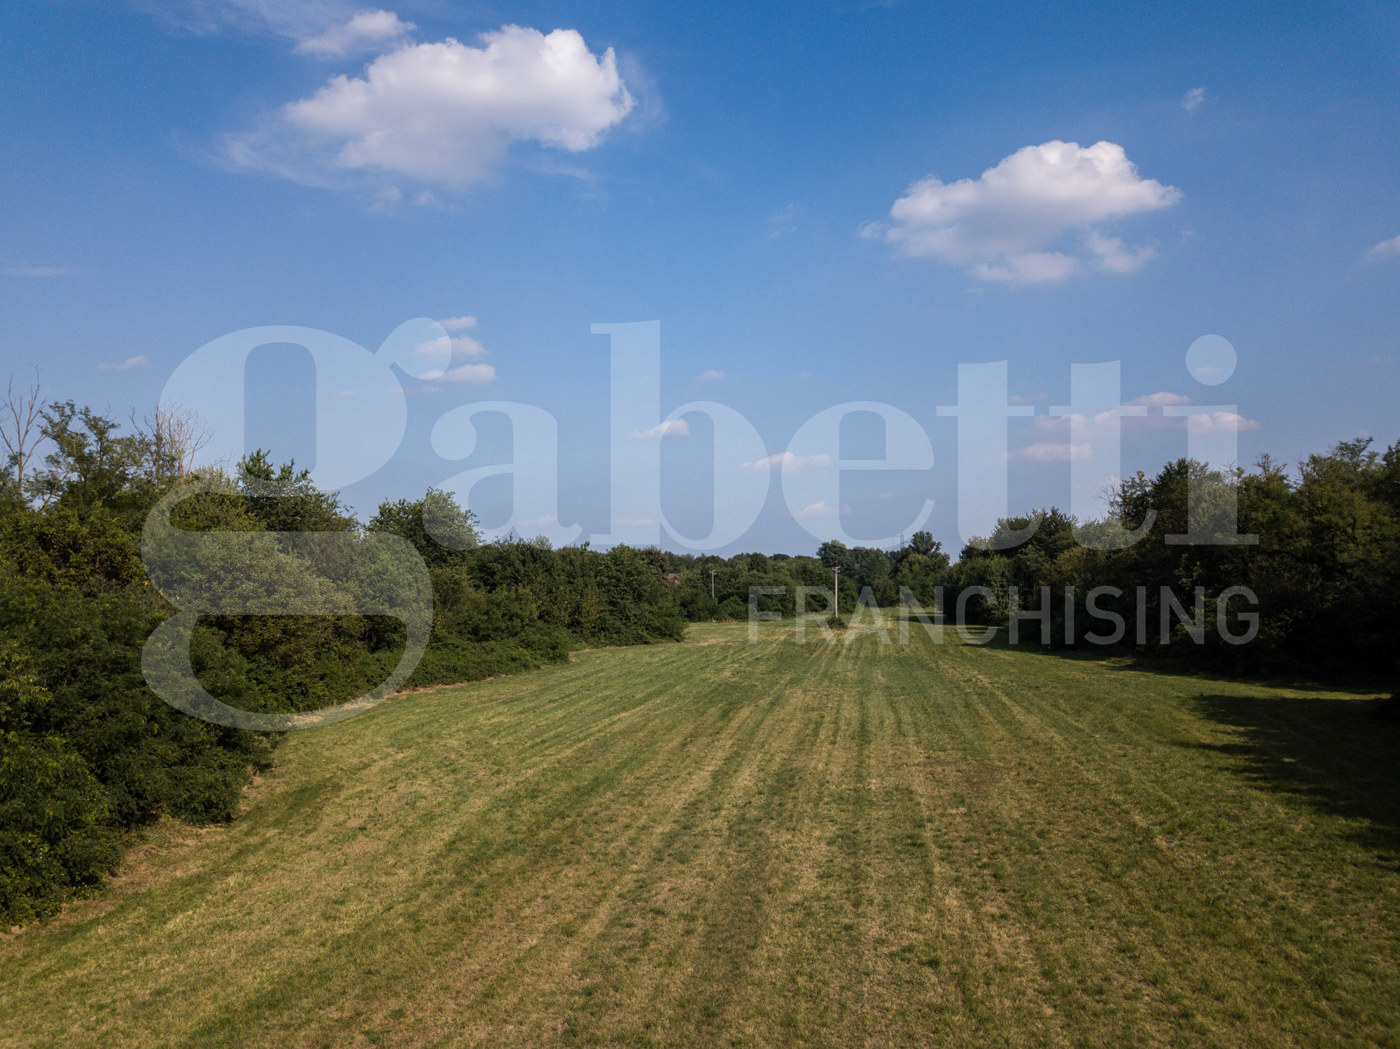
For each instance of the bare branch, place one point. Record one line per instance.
(174, 437)
(20, 419)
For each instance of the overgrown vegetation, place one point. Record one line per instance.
(1324, 564)
(89, 752)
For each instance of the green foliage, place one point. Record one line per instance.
(1325, 567)
(56, 834)
(285, 499)
(439, 529)
(90, 464)
(64, 549)
(921, 566)
(90, 751)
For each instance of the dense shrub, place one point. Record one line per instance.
(87, 751)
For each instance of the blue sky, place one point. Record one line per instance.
(820, 203)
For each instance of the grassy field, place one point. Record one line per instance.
(729, 844)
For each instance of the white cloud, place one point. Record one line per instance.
(1386, 249)
(457, 346)
(1112, 256)
(298, 20)
(453, 350)
(711, 375)
(1095, 426)
(817, 509)
(125, 366)
(786, 461)
(466, 346)
(1192, 100)
(366, 31)
(1031, 268)
(445, 112)
(1052, 452)
(670, 428)
(1032, 217)
(464, 374)
(37, 271)
(1221, 422)
(1158, 400)
(386, 200)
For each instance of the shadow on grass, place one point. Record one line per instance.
(1333, 755)
(1339, 756)
(1179, 661)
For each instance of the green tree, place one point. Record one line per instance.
(440, 530)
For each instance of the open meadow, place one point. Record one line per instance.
(718, 843)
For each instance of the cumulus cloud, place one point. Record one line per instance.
(455, 350)
(457, 346)
(463, 374)
(1031, 268)
(1386, 249)
(1220, 422)
(711, 375)
(125, 366)
(445, 112)
(1052, 452)
(1034, 217)
(786, 461)
(670, 428)
(1113, 257)
(817, 509)
(366, 31)
(1191, 101)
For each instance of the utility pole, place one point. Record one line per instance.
(712, 583)
(836, 587)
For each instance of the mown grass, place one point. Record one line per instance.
(729, 844)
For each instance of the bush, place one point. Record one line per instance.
(56, 830)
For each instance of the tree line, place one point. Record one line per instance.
(1314, 554)
(1317, 555)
